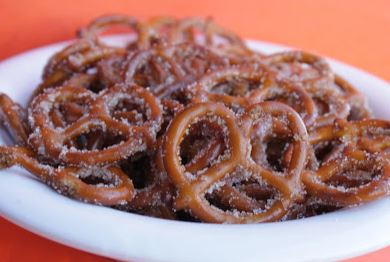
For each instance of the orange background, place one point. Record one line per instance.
(354, 31)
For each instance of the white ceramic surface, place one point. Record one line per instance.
(124, 236)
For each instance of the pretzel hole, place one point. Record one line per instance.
(97, 85)
(155, 71)
(355, 177)
(357, 112)
(68, 112)
(272, 152)
(132, 111)
(181, 95)
(196, 60)
(241, 194)
(110, 72)
(323, 106)
(327, 150)
(95, 139)
(276, 149)
(235, 86)
(203, 144)
(96, 177)
(289, 98)
(139, 169)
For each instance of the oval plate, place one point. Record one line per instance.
(124, 236)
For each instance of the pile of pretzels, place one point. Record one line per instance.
(184, 121)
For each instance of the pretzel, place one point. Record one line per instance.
(192, 190)
(203, 144)
(370, 135)
(136, 129)
(300, 66)
(294, 96)
(100, 24)
(207, 33)
(153, 190)
(262, 122)
(185, 122)
(191, 194)
(170, 109)
(112, 186)
(76, 58)
(268, 119)
(354, 131)
(110, 70)
(352, 160)
(330, 105)
(234, 86)
(162, 66)
(162, 69)
(357, 102)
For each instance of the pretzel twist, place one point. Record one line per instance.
(137, 133)
(191, 192)
(352, 161)
(69, 180)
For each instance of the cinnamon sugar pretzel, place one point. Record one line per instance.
(184, 121)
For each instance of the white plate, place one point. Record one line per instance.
(124, 236)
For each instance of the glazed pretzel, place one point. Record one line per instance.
(76, 58)
(191, 193)
(351, 161)
(294, 96)
(163, 66)
(153, 190)
(186, 122)
(233, 86)
(159, 68)
(107, 112)
(110, 70)
(262, 122)
(355, 132)
(192, 190)
(356, 100)
(370, 135)
(269, 118)
(204, 143)
(300, 66)
(117, 190)
(330, 105)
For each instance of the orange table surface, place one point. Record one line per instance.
(353, 31)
